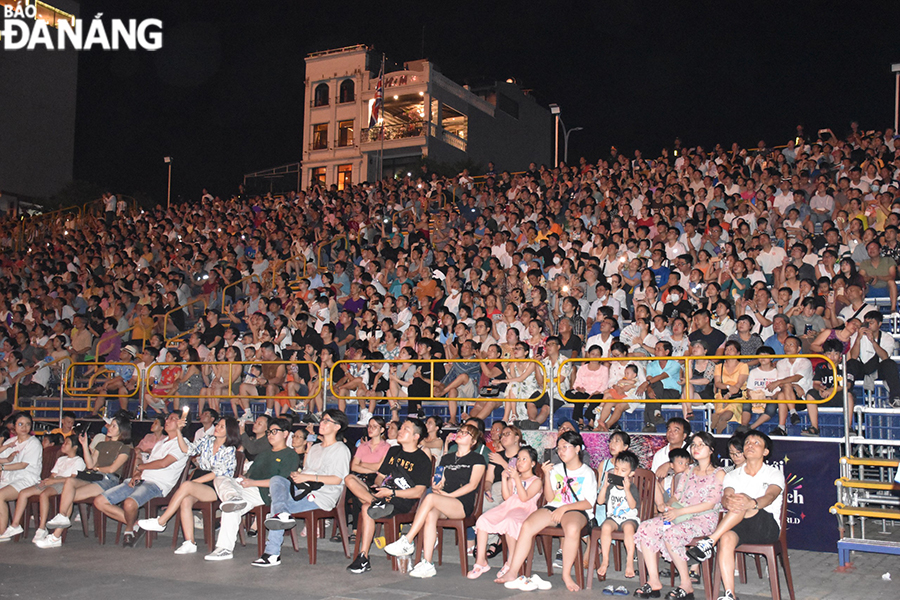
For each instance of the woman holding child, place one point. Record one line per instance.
(692, 512)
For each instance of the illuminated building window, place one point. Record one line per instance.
(345, 176)
(317, 176)
(320, 137)
(345, 133)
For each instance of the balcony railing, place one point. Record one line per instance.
(412, 129)
(454, 140)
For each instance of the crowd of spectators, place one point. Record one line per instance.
(699, 252)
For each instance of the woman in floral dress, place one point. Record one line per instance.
(697, 495)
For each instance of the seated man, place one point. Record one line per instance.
(327, 464)
(794, 378)
(404, 474)
(461, 380)
(662, 383)
(121, 382)
(752, 496)
(152, 479)
(240, 495)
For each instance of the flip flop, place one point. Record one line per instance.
(477, 571)
(621, 591)
(609, 590)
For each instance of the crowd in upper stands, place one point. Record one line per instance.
(700, 252)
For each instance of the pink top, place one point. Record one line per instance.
(592, 381)
(365, 453)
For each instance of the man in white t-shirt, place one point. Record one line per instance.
(794, 379)
(152, 479)
(753, 498)
(207, 427)
(677, 431)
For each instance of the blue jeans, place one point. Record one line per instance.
(142, 493)
(280, 491)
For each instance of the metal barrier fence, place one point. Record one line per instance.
(687, 369)
(432, 362)
(99, 369)
(162, 365)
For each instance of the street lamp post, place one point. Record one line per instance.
(554, 110)
(168, 161)
(566, 133)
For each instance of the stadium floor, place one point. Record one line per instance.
(82, 569)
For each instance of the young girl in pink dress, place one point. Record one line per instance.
(521, 488)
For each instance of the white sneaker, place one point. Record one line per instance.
(219, 554)
(364, 418)
(282, 521)
(39, 535)
(198, 522)
(422, 570)
(247, 417)
(60, 521)
(51, 541)
(402, 547)
(11, 532)
(233, 504)
(151, 525)
(187, 548)
(269, 412)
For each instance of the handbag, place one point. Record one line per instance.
(299, 491)
(89, 475)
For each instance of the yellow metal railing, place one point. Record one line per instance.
(85, 391)
(336, 238)
(16, 406)
(280, 263)
(177, 308)
(147, 383)
(686, 360)
(235, 283)
(432, 362)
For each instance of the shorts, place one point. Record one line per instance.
(837, 401)
(260, 390)
(543, 401)
(109, 481)
(618, 526)
(142, 493)
(761, 528)
(467, 390)
(581, 512)
(56, 487)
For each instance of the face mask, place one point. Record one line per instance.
(556, 260)
(675, 298)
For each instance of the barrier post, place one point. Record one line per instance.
(848, 410)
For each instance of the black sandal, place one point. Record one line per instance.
(645, 591)
(679, 594)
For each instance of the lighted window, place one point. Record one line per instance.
(321, 95)
(347, 91)
(317, 176)
(345, 133)
(320, 137)
(345, 176)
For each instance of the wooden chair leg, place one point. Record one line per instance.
(261, 529)
(773, 574)
(463, 554)
(176, 529)
(547, 543)
(741, 564)
(786, 565)
(341, 522)
(440, 546)
(758, 566)
(312, 537)
(85, 513)
(593, 553)
(616, 551)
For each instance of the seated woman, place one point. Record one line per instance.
(624, 380)
(520, 486)
(489, 372)
(692, 512)
(400, 377)
(570, 489)
(453, 496)
(525, 381)
(224, 379)
(216, 456)
(67, 465)
(730, 383)
(591, 381)
(105, 467)
(433, 444)
(157, 433)
(20, 464)
(369, 454)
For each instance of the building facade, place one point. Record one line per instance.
(424, 114)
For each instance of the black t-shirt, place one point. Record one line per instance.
(684, 307)
(405, 470)
(573, 346)
(715, 339)
(458, 472)
(824, 374)
(216, 331)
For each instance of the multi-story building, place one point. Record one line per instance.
(424, 114)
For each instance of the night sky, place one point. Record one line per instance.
(224, 96)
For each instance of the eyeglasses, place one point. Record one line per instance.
(563, 447)
(507, 433)
(328, 421)
(462, 433)
(273, 431)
